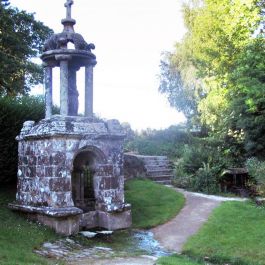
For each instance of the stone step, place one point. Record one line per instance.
(164, 182)
(152, 163)
(151, 157)
(157, 167)
(155, 161)
(159, 172)
(162, 178)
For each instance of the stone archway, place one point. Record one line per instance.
(83, 184)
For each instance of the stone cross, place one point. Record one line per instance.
(68, 6)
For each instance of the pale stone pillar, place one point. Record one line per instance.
(64, 99)
(48, 91)
(89, 91)
(72, 92)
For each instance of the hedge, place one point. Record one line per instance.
(13, 113)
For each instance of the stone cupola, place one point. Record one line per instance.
(56, 53)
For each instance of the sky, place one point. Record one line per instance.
(130, 36)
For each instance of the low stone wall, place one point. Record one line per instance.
(156, 168)
(133, 166)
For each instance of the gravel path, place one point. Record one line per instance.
(174, 234)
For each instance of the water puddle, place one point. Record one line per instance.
(145, 241)
(125, 243)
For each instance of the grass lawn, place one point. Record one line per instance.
(18, 237)
(152, 204)
(234, 234)
(177, 260)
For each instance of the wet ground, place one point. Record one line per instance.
(121, 247)
(140, 260)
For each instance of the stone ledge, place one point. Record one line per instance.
(49, 211)
(71, 126)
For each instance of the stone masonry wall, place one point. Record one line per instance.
(46, 164)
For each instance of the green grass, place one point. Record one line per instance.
(152, 204)
(234, 234)
(18, 237)
(177, 260)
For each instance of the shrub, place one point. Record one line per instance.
(207, 179)
(169, 142)
(256, 170)
(200, 167)
(181, 178)
(13, 113)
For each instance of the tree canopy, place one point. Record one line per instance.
(218, 69)
(21, 39)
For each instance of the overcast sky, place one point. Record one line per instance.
(130, 36)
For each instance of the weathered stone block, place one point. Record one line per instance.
(32, 160)
(58, 158)
(41, 173)
(72, 145)
(89, 220)
(115, 221)
(60, 184)
(104, 170)
(64, 225)
(49, 171)
(43, 160)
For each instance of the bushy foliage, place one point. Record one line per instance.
(169, 142)
(256, 170)
(13, 113)
(201, 166)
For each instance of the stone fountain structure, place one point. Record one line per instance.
(70, 170)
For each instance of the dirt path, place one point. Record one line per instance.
(174, 234)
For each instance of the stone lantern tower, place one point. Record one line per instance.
(70, 171)
(57, 54)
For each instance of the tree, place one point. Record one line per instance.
(246, 96)
(217, 31)
(225, 51)
(5, 2)
(178, 82)
(21, 39)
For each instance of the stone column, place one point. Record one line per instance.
(73, 93)
(48, 92)
(64, 99)
(89, 91)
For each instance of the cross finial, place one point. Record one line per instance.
(68, 6)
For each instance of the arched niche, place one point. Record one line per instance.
(85, 164)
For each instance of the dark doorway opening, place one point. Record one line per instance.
(83, 181)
